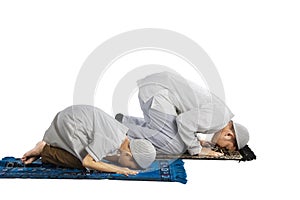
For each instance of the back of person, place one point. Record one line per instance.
(82, 129)
(176, 90)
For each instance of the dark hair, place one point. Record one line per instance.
(232, 129)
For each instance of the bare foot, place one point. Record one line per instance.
(34, 153)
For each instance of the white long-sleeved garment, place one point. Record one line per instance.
(84, 129)
(196, 109)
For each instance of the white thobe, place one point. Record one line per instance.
(196, 110)
(84, 129)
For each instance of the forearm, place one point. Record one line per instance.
(90, 163)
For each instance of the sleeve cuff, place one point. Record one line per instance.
(195, 150)
(89, 151)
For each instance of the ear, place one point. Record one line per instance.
(228, 135)
(126, 139)
(125, 144)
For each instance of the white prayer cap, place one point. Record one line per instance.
(143, 152)
(241, 135)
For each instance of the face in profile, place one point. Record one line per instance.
(225, 138)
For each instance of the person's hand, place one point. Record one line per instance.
(126, 171)
(209, 152)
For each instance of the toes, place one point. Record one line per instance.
(30, 160)
(27, 162)
(23, 159)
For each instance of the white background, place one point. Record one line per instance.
(254, 44)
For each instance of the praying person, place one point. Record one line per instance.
(176, 110)
(81, 136)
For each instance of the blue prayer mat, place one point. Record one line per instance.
(170, 170)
